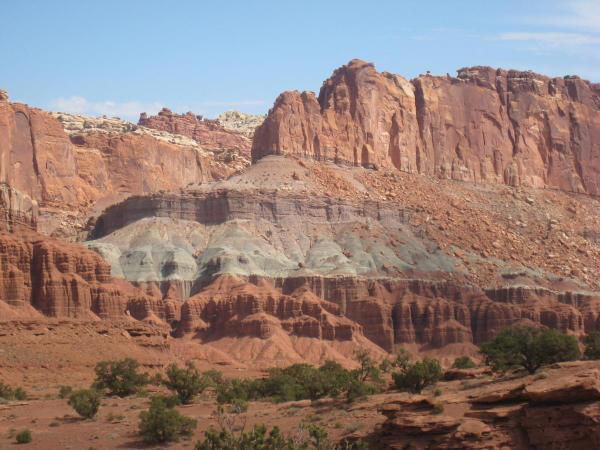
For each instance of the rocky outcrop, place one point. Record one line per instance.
(210, 134)
(240, 122)
(559, 409)
(178, 243)
(485, 125)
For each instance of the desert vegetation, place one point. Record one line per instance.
(85, 402)
(592, 345)
(187, 382)
(161, 421)
(12, 393)
(419, 375)
(121, 378)
(463, 362)
(24, 437)
(529, 348)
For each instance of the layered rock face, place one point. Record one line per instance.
(558, 410)
(485, 125)
(63, 280)
(208, 133)
(17, 210)
(296, 256)
(231, 306)
(379, 258)
(95, 162)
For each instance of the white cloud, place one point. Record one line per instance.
(81, 105)
(554, 38)
(580, 14)
(572, 29)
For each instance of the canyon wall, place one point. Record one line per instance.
(74, 166)
(243, 256)
(44, 276)
(485, 125)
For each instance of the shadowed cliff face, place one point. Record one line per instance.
(510, 127)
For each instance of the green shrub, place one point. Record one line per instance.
(303, 381)
(357, 390)
(23, 437)
(214, 377)
(9, 393)
(367, 369)
(438, 408)
(6, 391)
(170, 401)
(259, 438)
(232, 390)
(162, 423)
(592, 345)
(415, 377)
(85, 402)
(120, 378)
(187, 382)
(400, 361)
(530, 348)
(65, 391)
(20, 394)
(463, 362)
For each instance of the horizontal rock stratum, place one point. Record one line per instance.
(484, 125)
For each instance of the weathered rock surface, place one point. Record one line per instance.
(273, 224)
(511, 127)
(325, 257)
(240, 122)
(556, 409)
(255, 324)
(234, 307)
(210, 134)
(17, 210)
(64, 280)
(96, 162)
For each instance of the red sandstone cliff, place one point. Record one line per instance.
(59, 279)
(69, 174)
(208, 133)
(517, 128)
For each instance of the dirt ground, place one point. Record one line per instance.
(55, 426)
(41, 356)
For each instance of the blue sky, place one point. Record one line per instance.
(123, 57)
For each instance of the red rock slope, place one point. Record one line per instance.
(511, 127)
